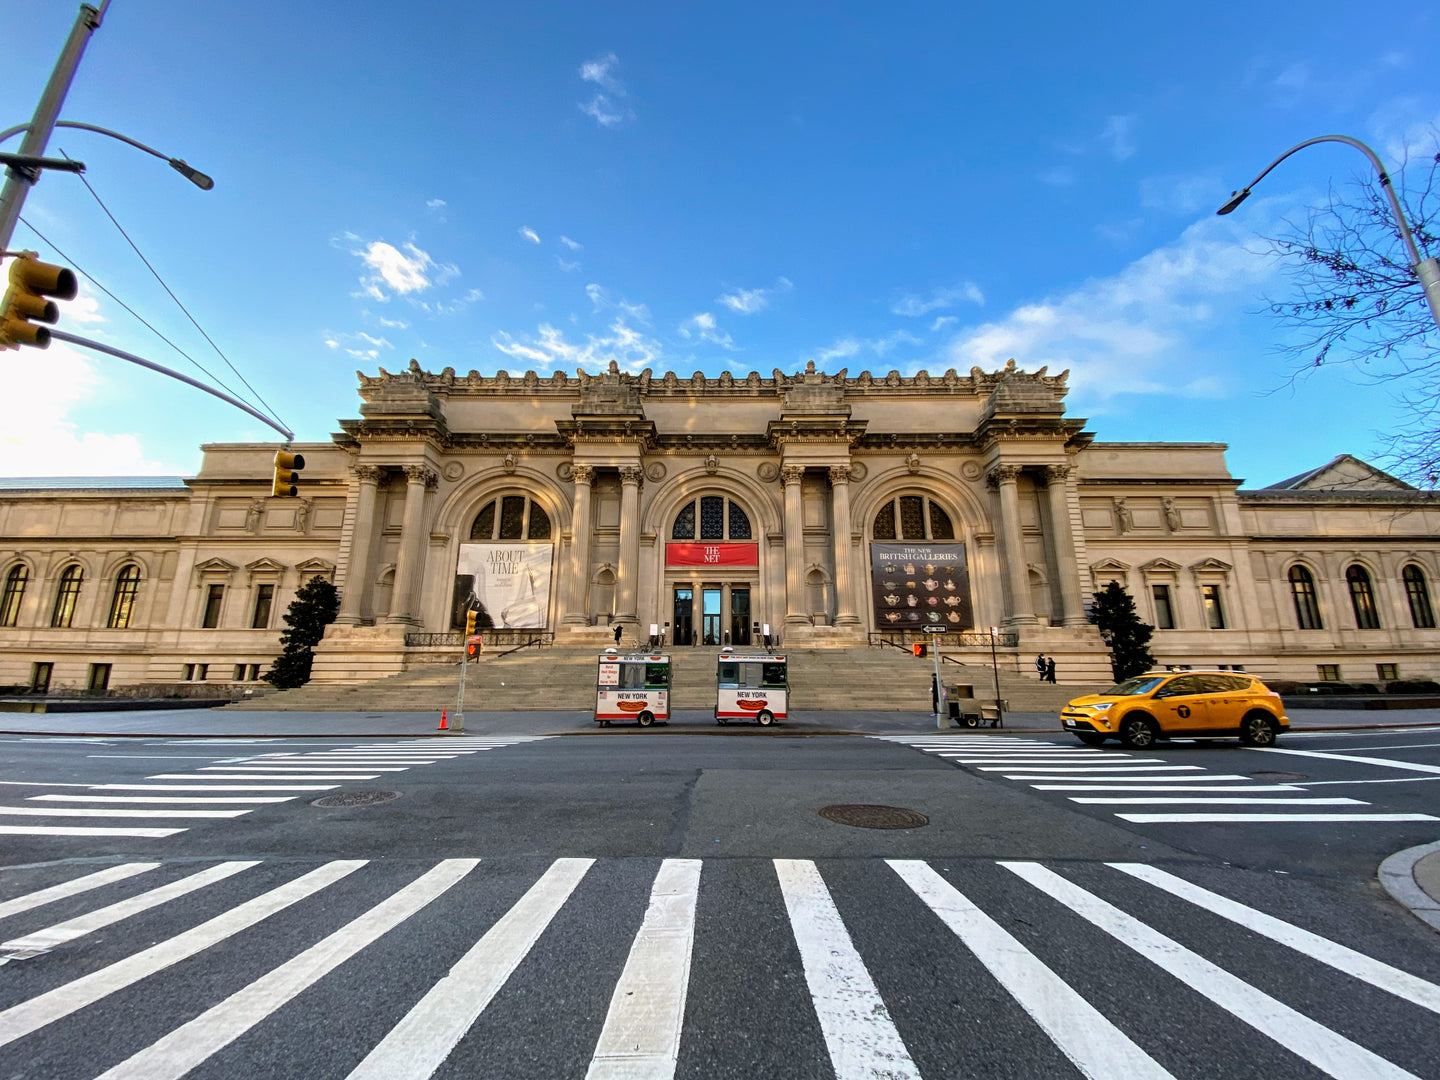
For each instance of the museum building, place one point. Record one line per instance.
(827, 510)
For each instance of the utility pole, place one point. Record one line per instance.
(20, 178)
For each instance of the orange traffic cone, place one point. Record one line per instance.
(443, 726)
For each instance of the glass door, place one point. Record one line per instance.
(710, 611)
(739, 615)
(683, 629)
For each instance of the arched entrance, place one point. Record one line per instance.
(711, 570)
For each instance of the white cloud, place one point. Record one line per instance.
(1119, 136)
(435, 204)
(450, 307)
(529, 234)
(1405, 132)
(600, 71)
(750, 301)
(391, 324)
(1183, 193)
(915, 306)
(849, 346)
(943, 321)
(400, 273)
(702, 327)
(571, 244)
(601, 298)
(358, 344)
(629, 348)
(608, 106)
(568, 265)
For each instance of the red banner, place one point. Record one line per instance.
(712, 555)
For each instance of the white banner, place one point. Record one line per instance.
(509, 583)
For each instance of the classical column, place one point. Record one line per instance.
(625, 591)
(1004, 478)
(576, 611)
(1071, 611)
(362, 535)
(795, 604)
(411, 559)
(840, 535)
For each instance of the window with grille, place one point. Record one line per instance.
(718, 518)
(1328, 672)
(14, 592)
(1416, 591)
(99, 677)
(1387, 672)
(122, 604)
(67, 596)
(1362, 598)
(511, 517)
(1302, 591)
(912, 517)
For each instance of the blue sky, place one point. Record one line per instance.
(740, 186)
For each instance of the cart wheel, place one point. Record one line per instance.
(721, 720)
(646, 718)
(972, 720)
(764, 718)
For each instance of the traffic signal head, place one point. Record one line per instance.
(26, 303)
(287, 474)
(470, 623)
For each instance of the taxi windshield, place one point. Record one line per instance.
(1130, 687)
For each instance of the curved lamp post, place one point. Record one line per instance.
(194, 175)
(1427, 270)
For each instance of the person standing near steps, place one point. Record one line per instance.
(1040, 667)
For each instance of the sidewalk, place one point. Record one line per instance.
(211, 723)
(1412, 877)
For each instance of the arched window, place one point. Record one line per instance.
(1362, 598)
(911, 517)
(14, 592)
(1302, 591)
(512, 517)
(67, 596)
(719, 519)
(127, 585)
(1421, 613)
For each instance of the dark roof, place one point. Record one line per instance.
(92, 483)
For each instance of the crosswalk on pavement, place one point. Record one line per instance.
(634, 969)
(229, 787)
(1144, 790)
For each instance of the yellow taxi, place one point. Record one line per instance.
(1141, 710)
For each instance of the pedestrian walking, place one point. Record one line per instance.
(934, 694)
(1050, 670)
(618, 629)
(1040, 667)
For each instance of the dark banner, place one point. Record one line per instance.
(920, 585)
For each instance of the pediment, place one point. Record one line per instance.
(1213, 564)
(1161, 566)
(216, 565)
(315, 566)
(1344, 473)
(1111, 566)
(265, 566)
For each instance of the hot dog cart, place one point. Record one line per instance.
(751, 687)
(632, 687)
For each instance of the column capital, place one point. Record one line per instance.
(368, 474)
(791, 474)
(421, 474)
(839, 474)
(1057, 473)
(1002, 474)
(631, 475)
(583, 474)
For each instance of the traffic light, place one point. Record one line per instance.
(31, 282)
(470, 623)
(287, 474)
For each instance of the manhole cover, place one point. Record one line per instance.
(356, 798)
(1270, 774)
(864, 816)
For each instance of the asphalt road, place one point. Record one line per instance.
(674, 905)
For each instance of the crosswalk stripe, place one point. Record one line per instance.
(191, 1043)
(82, 830)
(859, 1034)
(54, 936)
(1228, 777)
(1140, 766)
(1221, 801)
(74, 887)
(641, 1036)
(1328, 1051)
(1202, 819)
(1097, 1047)
(1329, 755)
(1341, 957)
(191, 800)
(253, 776)
(105, 812)
(1159, 787)
(208, 787)
(20, 1020)
(287, 769)
(421, 1041)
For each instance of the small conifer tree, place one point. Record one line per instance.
(314, 608)
(1120, 627)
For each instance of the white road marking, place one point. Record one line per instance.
(1342, 958)
(1097, 1047)
(1224, 819)
(1017, 774)
(1223, 801)
(1141, 766)
(420, 1042)
(248, 776)
(1400, 780)
(1329, 1052)
(641, 1036)
(53, 936)
(858, 1031)
(1160, 787)
(208, 787)
(1327, 755)
(96, 811)
(20, 1020)
(191, 1043)
(81, 830)
(74, 887)
(188, 800)
(288, 769)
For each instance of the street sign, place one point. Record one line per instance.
(934, 629)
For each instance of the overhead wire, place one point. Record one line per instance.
(260, 400)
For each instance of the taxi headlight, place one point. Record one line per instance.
(1103, 705)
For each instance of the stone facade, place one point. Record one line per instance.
(712, 508)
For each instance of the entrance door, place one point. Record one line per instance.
(683, 630)
(710, 611)
(739, 616)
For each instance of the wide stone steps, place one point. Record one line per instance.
(870, 679)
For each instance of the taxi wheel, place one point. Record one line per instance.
(1138, 732)
(1090, 738)
(646, 718)
(764, 718)
(1257, 729)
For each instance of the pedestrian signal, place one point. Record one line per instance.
(473, 648)
(26, 302)
(287, 474)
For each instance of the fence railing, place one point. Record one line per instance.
(511, 639)
(903, 639)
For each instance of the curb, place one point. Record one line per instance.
(1397, 875)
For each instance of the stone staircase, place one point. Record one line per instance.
(870, 679)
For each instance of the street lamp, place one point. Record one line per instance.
(995, 671)
(1427, 270)
(194, 175)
